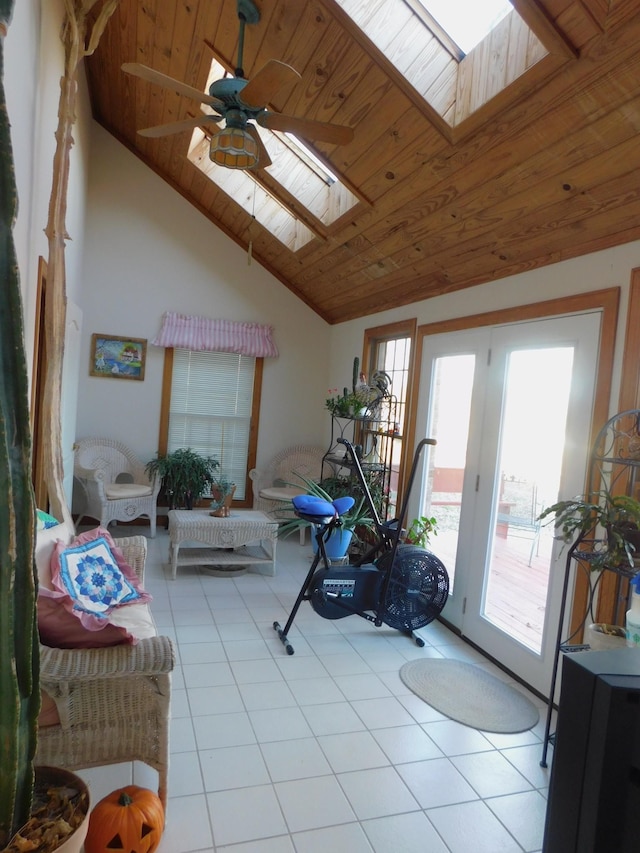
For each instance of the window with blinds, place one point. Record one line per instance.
(211, 409)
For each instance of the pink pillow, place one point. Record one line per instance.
(65, 615)
(60, 628)
(48, 711)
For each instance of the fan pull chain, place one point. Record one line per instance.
(249, 229)
(250, 251)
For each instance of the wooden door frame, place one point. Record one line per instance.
(388, 332)
(607, 301)
(611, 591)
(38, 377)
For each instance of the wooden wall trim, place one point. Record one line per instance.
(399, 329)
(163, 429)
(39, 421)
(630, 380)
(165, 402)
(608, 609)
(537, 19)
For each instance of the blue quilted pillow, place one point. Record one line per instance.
(44, 521)
(90, 575)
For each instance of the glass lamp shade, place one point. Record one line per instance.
(234, 148)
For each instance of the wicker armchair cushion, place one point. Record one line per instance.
(116, 491)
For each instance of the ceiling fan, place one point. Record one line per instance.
(238, 101)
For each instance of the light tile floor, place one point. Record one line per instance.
(325, 749)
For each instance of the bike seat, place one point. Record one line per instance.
(318, 511)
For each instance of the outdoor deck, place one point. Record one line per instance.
(517, 591)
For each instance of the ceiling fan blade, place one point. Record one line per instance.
(267, 82)
(263, 155)
(321, 131)
(151, 76)
(178, 126)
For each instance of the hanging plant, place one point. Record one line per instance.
(131, 819)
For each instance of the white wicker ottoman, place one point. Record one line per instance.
(245, 539)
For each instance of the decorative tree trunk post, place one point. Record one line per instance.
(19, 653)
(76, 47)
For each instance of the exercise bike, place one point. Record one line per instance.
(399, 585)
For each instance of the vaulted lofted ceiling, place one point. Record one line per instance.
(523, 153)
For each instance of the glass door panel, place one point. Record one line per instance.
(510, 408)
(450, 427)
(529, 467)
(453, 367)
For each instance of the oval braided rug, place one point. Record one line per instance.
(469, 695)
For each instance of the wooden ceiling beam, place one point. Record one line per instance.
(506, 167)
(538, 20)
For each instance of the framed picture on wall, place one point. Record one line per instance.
(117, 357)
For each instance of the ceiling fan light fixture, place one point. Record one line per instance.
(234, 148)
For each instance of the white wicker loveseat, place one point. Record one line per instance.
(113, 483)
(106, 705)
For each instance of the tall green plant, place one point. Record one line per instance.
(186, 475)
(19, 661)
(328, 490)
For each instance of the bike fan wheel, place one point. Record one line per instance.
(418, 588)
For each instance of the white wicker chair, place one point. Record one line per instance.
(271, 492)
(113, 703)
(114, 484)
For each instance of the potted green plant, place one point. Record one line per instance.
(186, 475)
(222, 492)
(420, 531)
(354, 402)
(19, 656)
(357, 518)
(610, 522)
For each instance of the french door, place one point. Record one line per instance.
(510, 408)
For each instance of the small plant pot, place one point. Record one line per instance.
(336, 546)
(221, 505)
(71, 791)
(602, 637)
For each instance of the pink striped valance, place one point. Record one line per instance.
(203, 334)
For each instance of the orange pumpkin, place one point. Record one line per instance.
(131, 819)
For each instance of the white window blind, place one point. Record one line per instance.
(211, 399)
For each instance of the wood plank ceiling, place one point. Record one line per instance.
(548, 169)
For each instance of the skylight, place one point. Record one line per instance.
(311, 197)
(243, 188)
(467, 21)
(458, 55)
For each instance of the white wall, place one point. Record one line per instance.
(608, 268)
(21, 87)
(148, 251)
(34, 63)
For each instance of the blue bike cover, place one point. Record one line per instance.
(312, 505)
(343, 505)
